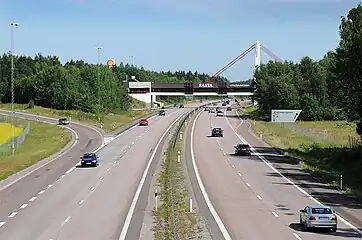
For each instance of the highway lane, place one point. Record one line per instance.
(282, 197)
(19, 188)
(242, 213)
(259, 198)
(92, 203)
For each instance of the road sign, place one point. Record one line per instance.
(283, 116)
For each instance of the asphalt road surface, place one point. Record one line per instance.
(250, 200)
(83, 203)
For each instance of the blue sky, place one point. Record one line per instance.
(201, 35)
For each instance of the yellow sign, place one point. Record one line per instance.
(111, 62)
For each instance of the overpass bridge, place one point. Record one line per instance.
(148, 91)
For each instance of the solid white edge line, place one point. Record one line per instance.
(216, 216)
(287, 179)
(127, 222)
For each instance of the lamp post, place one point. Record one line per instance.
(12, 26)
(98, 81)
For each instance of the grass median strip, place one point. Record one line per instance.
(110, 122)
(42, 141)
(327, 149)
(185, 220)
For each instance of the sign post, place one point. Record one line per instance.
(284, 116)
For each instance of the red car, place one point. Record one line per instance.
(143, 122)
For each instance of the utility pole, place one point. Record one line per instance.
(12, 26)
(98, 82)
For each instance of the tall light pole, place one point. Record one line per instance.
(98, 81)
(131, 57)
(12, 26)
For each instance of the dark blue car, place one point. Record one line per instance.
(89, 159)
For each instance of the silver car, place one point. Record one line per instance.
(316, 216)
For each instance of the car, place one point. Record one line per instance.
(143, 122)
(242, 149)
(228, 109)
(214, 104)
(162, 113)
(206, 108)
(175, 105)
(224, 104)
(217, 132)
(228, 102)
(181, 106)
(163, 107)
(219, 113)
(317, 216)
(211, 110)
(63, 121)
(89, 159)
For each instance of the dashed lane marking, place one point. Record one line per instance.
(92, 188)
(23, 206)
(80, 203)
(32, 199)
(239, 174)
(233, 165)
(259, 197)
(2, 224)
(275, 214)
(62, 176)
(296, 236)
(13, 214)
(125, 151)
(100, 178)
(49, 186)
(248, 184)
(109, 169)
(41, 192)
(67, 219)
(70, 170)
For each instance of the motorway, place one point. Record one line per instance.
(246, 197)
(62, 201)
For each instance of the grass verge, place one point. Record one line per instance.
(42, 141)
(327, 149)
(6, 132)
(110, 122)
(164, 216)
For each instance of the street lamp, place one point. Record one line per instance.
(98, 80)
(12, 26)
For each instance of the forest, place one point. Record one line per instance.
(45, 82)
(328, 89)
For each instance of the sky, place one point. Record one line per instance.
(162, 35)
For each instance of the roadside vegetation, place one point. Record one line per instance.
(42, 141)
(186, 221)
(329, 93)
(6, 132)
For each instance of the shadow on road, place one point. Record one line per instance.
(341, 232)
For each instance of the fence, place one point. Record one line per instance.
(6, 148)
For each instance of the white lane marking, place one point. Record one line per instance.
(233, 165)
(120, 155)
(13, 214)
(114, 162)
(239, 174)
(2, 224)
(259, 197)
(125, 151)
(49, 186)
(136, 139)
(248, 184)
(80, 203)
(288, 180)
(57, 180)
(275, 214)
(62, 176)
(218, 220)
(41, 192)
(109, 169)
(32, 199)
(297, 237)
(129, 146)
(142, 181)
(70, 170)
(23, 206)
(228, 159)
(92, 188)
(100, 178)
(67, 219)
(222, 149)
(132, 143)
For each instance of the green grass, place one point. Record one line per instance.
(110, 122)
(327, 148)
(186, 221)
(42, 141)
